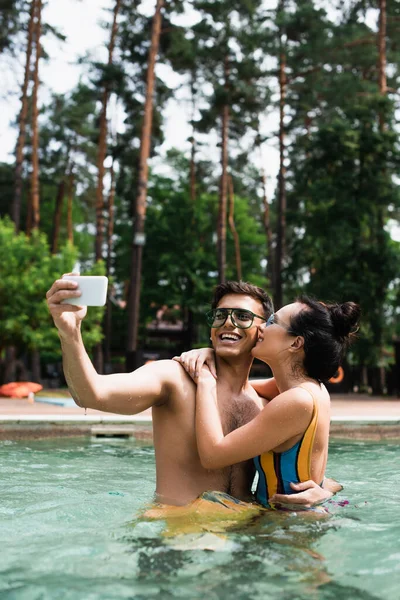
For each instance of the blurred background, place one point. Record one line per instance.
(172, 145)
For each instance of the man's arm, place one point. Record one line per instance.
(308, 493)
(122, 393)
(126, 393)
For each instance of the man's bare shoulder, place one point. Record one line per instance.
(175, 384)
(166, 367)
(167, 371)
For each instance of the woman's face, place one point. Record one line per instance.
(274, 340)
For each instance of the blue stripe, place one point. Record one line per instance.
(288, 468)
(262, 490)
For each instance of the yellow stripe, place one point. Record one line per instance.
(305, 453)
(267, 465)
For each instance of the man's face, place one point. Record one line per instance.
(229, 340)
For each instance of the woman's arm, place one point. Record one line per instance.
(279, 421)
(266, 388)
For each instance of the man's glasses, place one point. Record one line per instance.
(243, 319)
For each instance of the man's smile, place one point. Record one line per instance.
(229, 337)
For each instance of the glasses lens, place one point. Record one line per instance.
(270, 321)
(217, 317)
(243, 318)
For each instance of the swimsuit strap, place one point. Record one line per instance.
(307, 443)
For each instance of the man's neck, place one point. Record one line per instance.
(233, 373)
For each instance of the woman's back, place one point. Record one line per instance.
(302, 457)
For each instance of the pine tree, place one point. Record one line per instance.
(34, 204)
(141, 198)
(228, 42)
(281, 221)
(16, 204)
(341, 175)
(102, 146)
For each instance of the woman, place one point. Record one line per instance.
(304, 344)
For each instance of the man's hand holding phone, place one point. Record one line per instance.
(67, 317)
(69, 296)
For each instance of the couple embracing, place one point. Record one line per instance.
(212, 426)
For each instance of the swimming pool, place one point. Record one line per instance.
(68, 530)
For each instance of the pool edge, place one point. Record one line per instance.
(139, 427)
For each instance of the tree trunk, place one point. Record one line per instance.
(141, 197)
(193, 171)
(35, 210)
(57, 216)
(190, 331)
(110, 231)
(70, 200)
(281, 228)
(10, 371)
(35, 366)
(16, 205)
(380, 212)
(223, 198)
(193, 145)
(268, 233)
(382, 49)
(232, 227)
(98, 358)
(103, 143)
(110, 211)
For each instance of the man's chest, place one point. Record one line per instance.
(238, 410)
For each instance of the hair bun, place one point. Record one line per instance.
(345, 318)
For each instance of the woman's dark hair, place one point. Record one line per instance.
(246, 289)
(327, 330)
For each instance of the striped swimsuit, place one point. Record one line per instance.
(277, 470)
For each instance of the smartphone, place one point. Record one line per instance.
(93, 288)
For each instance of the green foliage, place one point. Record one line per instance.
(27, 272)
(179, 259)
(227, 56)
(342, 161)
(342, 187)
(10, 22)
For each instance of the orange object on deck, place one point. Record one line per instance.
(338, 377)
(19, 389)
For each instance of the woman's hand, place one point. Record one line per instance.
(205, 376)
(194, 360)
(309, 494)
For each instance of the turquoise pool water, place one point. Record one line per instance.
(68, 530)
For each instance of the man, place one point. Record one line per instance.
(166, 388)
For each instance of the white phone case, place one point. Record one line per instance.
(93, 288)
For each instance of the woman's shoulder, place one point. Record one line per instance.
(317, 393)
(297, 397)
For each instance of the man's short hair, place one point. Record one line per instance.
(246, 289)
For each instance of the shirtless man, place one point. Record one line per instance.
(166, 387)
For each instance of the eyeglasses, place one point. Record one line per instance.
(271, 321)
(243, 319)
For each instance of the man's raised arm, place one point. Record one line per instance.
(123, 393)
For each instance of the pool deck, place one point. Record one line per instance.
(354, 415)
(351, 407)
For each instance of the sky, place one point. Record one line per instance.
(80, 21)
